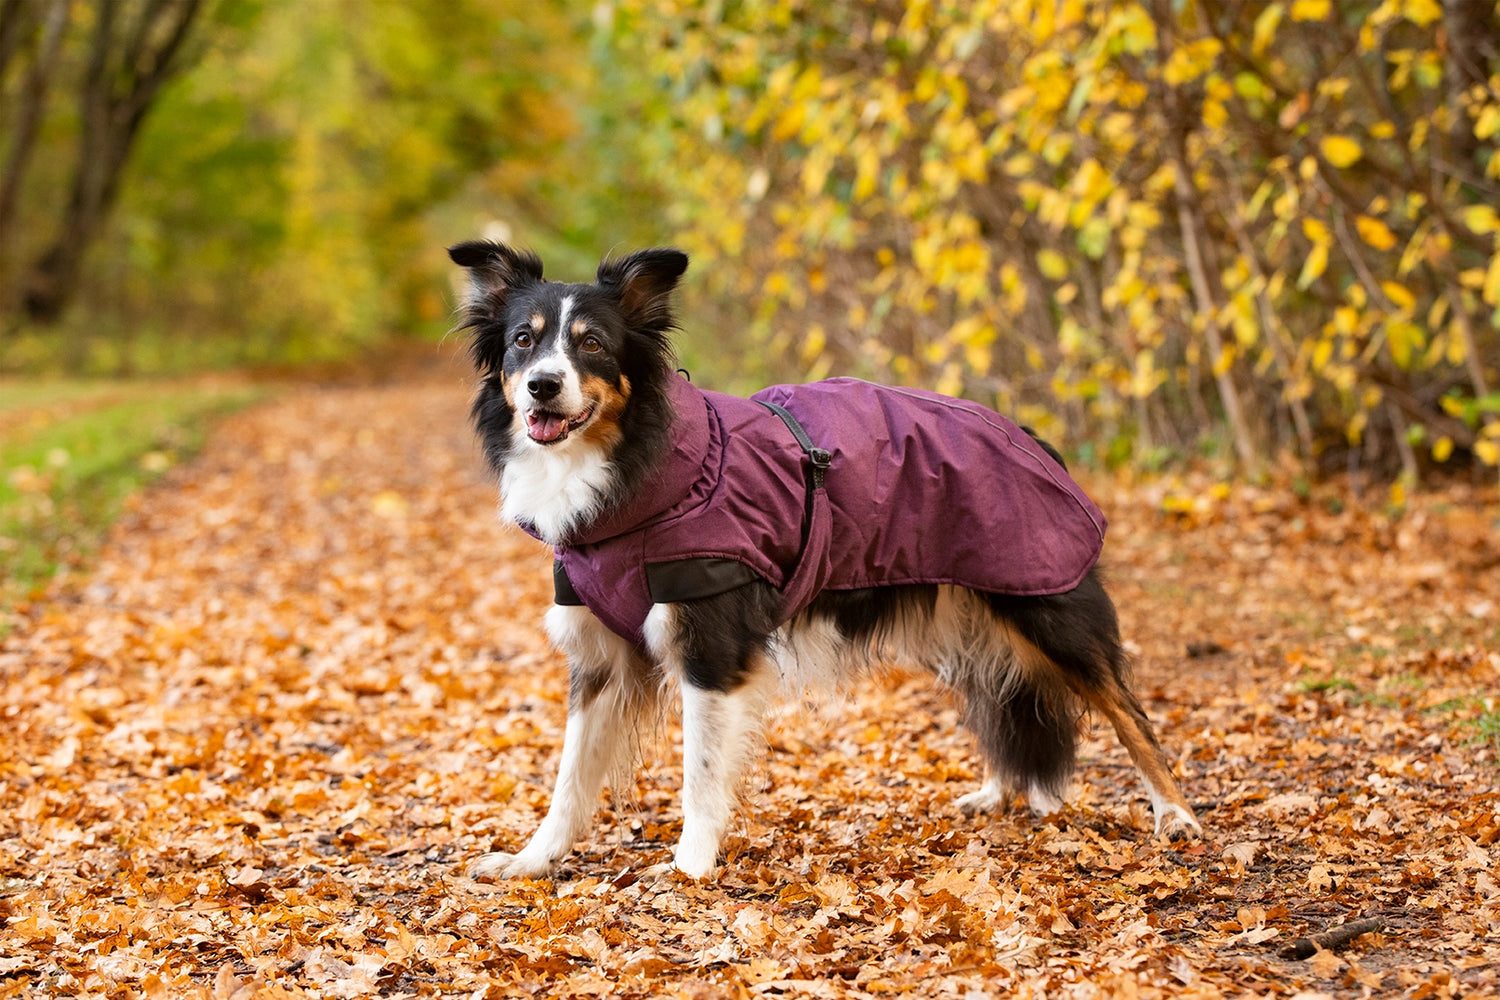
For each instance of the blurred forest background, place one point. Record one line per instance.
(1154, 229)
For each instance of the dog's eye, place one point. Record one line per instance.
(591, 345)
(523, 341)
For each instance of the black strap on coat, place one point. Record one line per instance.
(821, 458)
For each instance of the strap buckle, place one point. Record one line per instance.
(821, 458)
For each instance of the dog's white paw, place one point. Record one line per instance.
(499, 865)
(986, 800)
(696, 857)
(1043, 802)
(1176, 823)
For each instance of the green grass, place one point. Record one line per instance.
(1487, 728)
(1325, 684)
(1484, 727)
(71, 452)
(16, 394)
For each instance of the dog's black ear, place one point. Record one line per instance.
(643, 282)
(496, 270)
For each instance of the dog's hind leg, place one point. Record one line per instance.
(1027, 735)
(1077, 637)
(717, 648)
(608, 692)
(1116, 702)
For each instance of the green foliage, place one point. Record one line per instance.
(290, 196)
(72, 452)
(1147, 218)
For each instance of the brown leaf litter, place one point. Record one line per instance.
(250, 754)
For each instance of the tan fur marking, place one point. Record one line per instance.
(580, 327)
(1134, 729)
(1033, 664)
(538, 321)
(604, 429)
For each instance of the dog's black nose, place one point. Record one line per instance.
(544, 385)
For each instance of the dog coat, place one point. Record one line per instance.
(840, 485)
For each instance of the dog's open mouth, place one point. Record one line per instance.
(546, 427)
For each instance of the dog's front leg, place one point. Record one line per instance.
(721, 732)
(719, 656)
(606, 696)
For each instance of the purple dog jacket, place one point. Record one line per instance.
(920, 488)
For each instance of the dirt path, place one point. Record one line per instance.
(253, 750)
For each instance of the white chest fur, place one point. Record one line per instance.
(555, 489)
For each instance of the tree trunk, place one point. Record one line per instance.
(17, 21)
(33, 101)
(126, 72)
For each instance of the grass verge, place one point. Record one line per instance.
(72, 452)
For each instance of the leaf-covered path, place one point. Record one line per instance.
(251, 753)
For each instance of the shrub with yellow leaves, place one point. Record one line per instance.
(1157, 223)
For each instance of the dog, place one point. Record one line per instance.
(725, 547)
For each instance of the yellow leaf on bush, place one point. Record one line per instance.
(1455, 348)
(1188, 62)
(1442, 449)
(1374, 232)
(1488, 123)
(1317, 231)
(1491, 290)
(1400, 296)
(1311, 10)
(1053, 265)
(1422, 12)
(868, 172)
(1265, 28)
(1481, 218)
(1340, 150)
(1019, 165)
(1403, 338)
(1487, 451)
(1225, 360)
(1398, 494)
(1317, 263)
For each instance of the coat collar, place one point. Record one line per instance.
(671, 481)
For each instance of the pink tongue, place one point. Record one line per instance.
(545, 426)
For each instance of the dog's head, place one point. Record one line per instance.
(561, 362)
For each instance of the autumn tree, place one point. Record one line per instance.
(286, 195)
(1266, 224)
(127, 51)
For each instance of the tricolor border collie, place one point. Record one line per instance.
(728, 546)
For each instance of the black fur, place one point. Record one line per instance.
(724, 637)
(866, 617)
(1077, 630)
